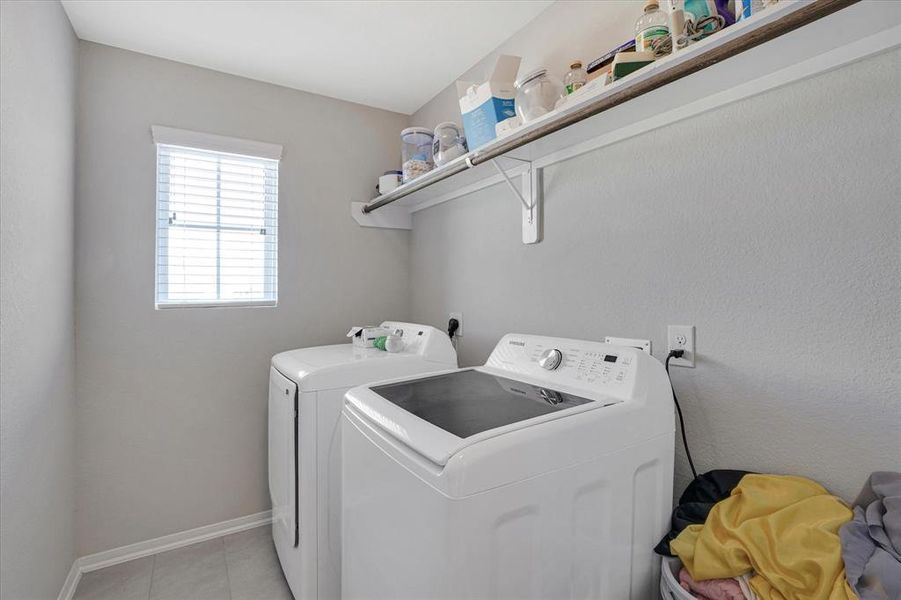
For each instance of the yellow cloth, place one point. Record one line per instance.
(784, 528)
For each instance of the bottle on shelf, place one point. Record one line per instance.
(652, 25)
(745, 9)
(677, 24)
(576, 78)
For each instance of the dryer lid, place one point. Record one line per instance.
(345, 366)
(306, 360)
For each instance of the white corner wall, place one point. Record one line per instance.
(172, 404)
(38, 67)
(771, 224)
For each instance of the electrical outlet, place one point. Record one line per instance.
(459, 317)
(681, 337)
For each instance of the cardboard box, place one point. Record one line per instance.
(600, 67)
(602, 72)
(484, 105)
(626, 63)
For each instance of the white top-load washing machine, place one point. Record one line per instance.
(546, 473)
(306, 392)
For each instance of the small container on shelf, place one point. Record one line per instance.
(537, 94)
(575, 78)
(416, 152)
(389, 181)
(507, 126)
(449, 143)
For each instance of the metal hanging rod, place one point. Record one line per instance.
(797, 18)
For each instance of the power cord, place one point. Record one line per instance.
(678, 354)
(452, 326)
(691, 32)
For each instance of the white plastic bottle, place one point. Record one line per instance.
(652, 25)
(677, 23)
(395, 341)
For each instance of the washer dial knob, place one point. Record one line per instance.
(550, 359)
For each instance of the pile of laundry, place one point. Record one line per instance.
(747, 536)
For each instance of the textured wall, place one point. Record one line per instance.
(172, 404)
(771, 224)
(38, 66)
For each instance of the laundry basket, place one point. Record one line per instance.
(669, 580)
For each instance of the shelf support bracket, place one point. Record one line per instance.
(529, 195)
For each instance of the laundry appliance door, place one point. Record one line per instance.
(283, 457)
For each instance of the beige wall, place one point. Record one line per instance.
(38, 67)
(771, 224)
(172, 404)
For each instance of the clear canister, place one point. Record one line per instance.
(449, 143)
(416, 152)
(537, 94)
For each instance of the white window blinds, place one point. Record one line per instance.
(217, 227)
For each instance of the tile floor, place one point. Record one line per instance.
(241, 566)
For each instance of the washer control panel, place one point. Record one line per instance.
(582, 364)
(590, 366)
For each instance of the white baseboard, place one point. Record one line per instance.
(107, 558)
(71, 582)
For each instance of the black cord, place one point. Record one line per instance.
(678, 354)
(452, 326)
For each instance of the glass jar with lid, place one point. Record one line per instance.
(537, 94)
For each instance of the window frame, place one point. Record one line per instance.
(204, 142)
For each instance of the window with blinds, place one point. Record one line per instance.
(217, 228)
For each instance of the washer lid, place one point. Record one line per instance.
(439, 415)
(468, 402)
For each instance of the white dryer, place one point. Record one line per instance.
(306, 392)
(546, 473)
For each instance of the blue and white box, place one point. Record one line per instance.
(484, 105)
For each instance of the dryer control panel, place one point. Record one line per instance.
(424, 341)
(580, 364)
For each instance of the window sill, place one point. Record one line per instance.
(226, 304)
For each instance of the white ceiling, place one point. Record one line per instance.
(389, 54)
